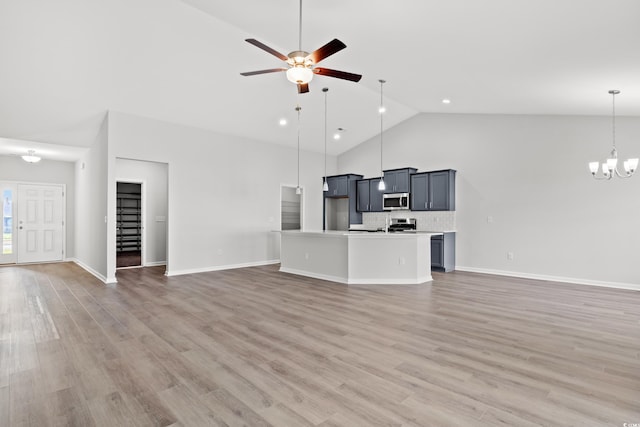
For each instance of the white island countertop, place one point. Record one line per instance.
(358, 257)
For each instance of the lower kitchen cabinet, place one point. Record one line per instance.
(443, 252)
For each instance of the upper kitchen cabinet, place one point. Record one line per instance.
(433, 191)
(369, 197)
(397, 180)
(339, 185)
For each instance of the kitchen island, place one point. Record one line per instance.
(358, 257)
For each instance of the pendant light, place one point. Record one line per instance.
(381, 184)
(610, 166)
(325, 186)
(298, 189)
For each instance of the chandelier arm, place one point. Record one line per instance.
(626, 175)
(602, 178)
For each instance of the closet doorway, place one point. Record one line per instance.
(129, 224)
(290, 208)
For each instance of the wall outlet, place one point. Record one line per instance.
(510, 256)
(401, 261)
(219, 251)
(489, 219)
(306, 255)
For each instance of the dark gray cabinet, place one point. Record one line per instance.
(433, 191)
(397, 180)
(369, 198)
(443, 252)
(338, 186)
(342, 195)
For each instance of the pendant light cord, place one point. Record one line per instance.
(381, 122)
(325, 90)
(298, 108)
(300, 29)
(613, 120)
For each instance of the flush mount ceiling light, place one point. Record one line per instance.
(302, 64)
(446, 101)
(610, 166)
(283, 122)
(382, 110)
(31, 157)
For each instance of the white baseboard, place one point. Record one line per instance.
(314, 275)
(220, 267)
(154, 263)
(560, 279)
(99, 276)
(372, 281)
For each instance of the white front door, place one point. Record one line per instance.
(40, 223)
(9, 242)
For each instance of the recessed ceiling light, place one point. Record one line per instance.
(283, 122)
(338, 133)
(336, 136)
(382, 110)
(446, 101)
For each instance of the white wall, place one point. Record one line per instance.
(13, 168)
(91, 207)
(224, 191)
(154, 178)
(529, 173)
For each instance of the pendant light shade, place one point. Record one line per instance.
(381, 185)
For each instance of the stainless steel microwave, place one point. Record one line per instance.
(395, 201)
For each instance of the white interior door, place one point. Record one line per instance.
(9, 241)
(40, 223)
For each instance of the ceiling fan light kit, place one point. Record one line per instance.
(302, 65)
(299, 75)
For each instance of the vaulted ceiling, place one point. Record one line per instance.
(64, 63)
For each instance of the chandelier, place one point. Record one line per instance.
(610, 166)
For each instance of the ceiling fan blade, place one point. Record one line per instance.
(266, 48)
(303, 87)
(338, 74)
(271, 70)
(328, 49)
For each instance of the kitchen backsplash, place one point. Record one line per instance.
(425, 221)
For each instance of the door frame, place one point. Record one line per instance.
(13, 257)
(14, 202)
(302, 194)
(143, 217)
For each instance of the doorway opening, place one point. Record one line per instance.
(128, 224)
(290, 209)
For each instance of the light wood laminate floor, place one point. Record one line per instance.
(257, 347)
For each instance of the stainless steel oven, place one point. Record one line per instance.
(395, 201)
